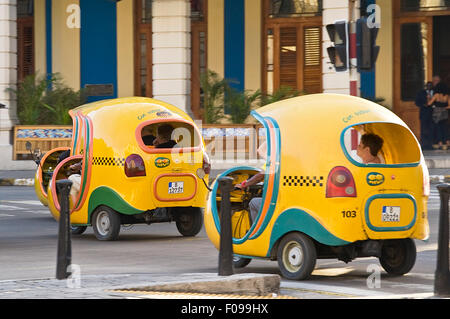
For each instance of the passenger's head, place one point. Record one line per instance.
(164, 134)
(370, 144)
(429, 85)
(436, 79)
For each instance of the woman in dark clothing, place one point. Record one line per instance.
(440, 104)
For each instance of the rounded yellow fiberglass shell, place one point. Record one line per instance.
(105, 133)
(306, 141)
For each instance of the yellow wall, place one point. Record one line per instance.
(40, 64)
(384, 67)
(65, 44)
(125, 48)
(216, 37)
(252, 44)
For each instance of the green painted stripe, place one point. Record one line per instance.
(295, 219)
(106, 196)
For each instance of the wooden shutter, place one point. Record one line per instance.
(312, 70)
(288, 57)
(25, 47)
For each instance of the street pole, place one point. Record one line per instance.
(64, 254)
(226, 241)
(352, 48)
(442, 274)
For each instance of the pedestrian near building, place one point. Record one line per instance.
(425, 116)
(440, 105)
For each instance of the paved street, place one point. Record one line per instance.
(28, 239)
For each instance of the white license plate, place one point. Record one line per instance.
(176, 187)
(390, 214)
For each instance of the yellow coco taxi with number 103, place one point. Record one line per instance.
(318, 198)
(124, 178)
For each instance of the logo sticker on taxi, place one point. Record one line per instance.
(375, 179)
(162, 162)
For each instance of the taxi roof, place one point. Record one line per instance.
(138, 108)
(327, 110)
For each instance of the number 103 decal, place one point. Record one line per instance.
(348, 213)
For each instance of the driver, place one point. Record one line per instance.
(256, 202)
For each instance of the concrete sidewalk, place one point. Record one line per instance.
(120, 286)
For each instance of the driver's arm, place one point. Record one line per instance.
(255, 179)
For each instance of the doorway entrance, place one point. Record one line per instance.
(420, 51)
(441, 48)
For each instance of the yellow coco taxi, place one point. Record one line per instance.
(318, 198)
(124, 178)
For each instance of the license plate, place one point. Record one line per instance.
(390, 214)
(176, 187)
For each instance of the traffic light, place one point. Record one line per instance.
(338, 53)
(367, 50)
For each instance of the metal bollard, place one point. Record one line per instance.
(64, 255)
(226, 243)
(442, 274)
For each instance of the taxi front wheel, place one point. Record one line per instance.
(296, 256)
(398, 256)
(106, 223)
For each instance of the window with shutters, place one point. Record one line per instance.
(25, 39)
(199, 27)
(143, 48)
(292, 46)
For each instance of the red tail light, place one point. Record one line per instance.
(206, 163)
(134, 166)
(340, 183)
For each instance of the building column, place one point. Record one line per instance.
(171, 25)
(336, 82)
(8, 73)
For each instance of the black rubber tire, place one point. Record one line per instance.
(106, 223)
(240, 262)
(77, 230)
(296, 256)
(189, 221)
(398, 256)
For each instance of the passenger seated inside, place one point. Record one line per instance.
(163, 138)
(147, 136)
(369, 147)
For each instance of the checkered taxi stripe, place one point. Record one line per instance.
(303, 181)
(108, 161)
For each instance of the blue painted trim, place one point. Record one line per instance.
(212, 198)
(214, 210)
(48, 38)
(344, 149)
(295, 219)
(384, 229)
(98, 44)
(234, 43)
(276, 183)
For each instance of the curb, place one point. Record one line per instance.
(121, 285)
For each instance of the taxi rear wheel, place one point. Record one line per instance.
(106, 223)
(398, 256)
(296, 256)
(189, 221)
